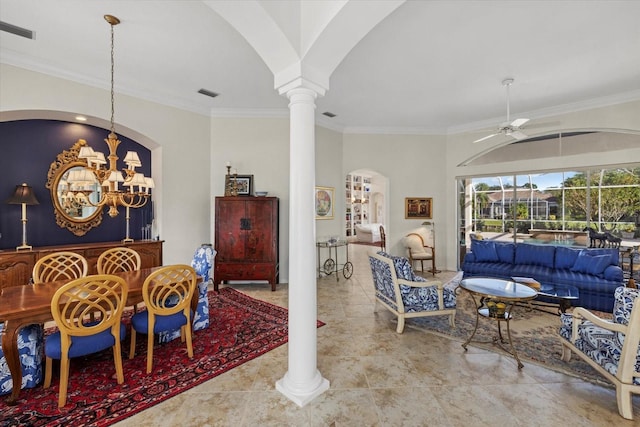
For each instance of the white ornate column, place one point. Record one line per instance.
(302, 382)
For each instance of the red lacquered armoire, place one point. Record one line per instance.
(246, 239)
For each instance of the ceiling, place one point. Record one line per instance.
(427, 67)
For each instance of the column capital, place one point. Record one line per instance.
(301, 85)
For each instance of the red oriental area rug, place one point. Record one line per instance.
(242, 328)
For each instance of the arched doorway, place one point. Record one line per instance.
(365, 205)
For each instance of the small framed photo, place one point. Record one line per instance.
(324, 199)
(418, 208)
(242, 185)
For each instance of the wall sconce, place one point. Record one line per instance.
(23, 195)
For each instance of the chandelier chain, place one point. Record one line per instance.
(112, 91)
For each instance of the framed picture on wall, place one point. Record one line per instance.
(418, 208)
(324, 198)
(242, 184)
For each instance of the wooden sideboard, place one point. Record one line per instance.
(16, 266)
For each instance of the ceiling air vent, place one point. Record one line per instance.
(328, 114)
(208, 93)
(18, 31)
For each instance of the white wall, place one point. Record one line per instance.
(415, 167)
(179, 142)
(258, 147)
(329, 174)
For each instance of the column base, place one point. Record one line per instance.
(301, 396)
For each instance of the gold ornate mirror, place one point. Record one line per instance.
(73, 191)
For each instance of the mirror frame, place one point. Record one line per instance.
(66, 160)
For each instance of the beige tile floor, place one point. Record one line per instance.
(381, 378)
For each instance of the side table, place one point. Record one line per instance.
(496, 299)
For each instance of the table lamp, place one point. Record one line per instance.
(23, 195)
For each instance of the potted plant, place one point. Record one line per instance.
(627, 231)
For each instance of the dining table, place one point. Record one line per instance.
(28, 304)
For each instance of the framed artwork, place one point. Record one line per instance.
(418, 208)
(324, 198)
(241, 185)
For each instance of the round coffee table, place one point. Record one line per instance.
(496, 299)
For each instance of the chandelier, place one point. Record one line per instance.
(111, 180)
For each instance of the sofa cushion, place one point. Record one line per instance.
(591, 264)
(506, 252)
(543, 255)
(485, 250)
(566, 257)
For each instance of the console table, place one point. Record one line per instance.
(16, 266)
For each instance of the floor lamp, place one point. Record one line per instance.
(431, 227)
(23, 195)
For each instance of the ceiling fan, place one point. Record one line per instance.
(509, 128)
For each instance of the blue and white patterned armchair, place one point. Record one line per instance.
(31, 350)
(406, 295)
(611, 347)
(202, 263)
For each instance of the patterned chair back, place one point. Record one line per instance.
(116, 260)
(60, 266)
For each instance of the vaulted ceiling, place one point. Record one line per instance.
(427, 67)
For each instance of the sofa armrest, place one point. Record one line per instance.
(613, 272)
(426, 284)
(580, 313)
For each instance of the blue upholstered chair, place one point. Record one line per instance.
(407, 295)
(202, 263)
(611, 347)
(71, 307)
(30, 349)
(167, 295)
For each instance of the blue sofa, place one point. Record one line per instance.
(595, 272)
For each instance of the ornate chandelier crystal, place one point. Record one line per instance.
(112, 179)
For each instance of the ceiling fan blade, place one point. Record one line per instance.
(518, 135)
(519, 122)
(485, 138)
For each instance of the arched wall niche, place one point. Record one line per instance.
(68, 116)
(30, 144)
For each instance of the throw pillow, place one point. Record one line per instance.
(586, 263)
(485, 250)
(506, 252)
(566, 257)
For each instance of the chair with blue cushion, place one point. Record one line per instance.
(202, 263)
(78, 335)
(62, 265)
(611, 347)
(407, 295)
(30, 349)
(117, 260)
(167, 294)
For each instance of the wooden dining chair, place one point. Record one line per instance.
(119, 259)
(59, 266)
(71, 307)
(167, 294)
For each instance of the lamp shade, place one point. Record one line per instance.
(23, 194)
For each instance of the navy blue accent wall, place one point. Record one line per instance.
(27, 149)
